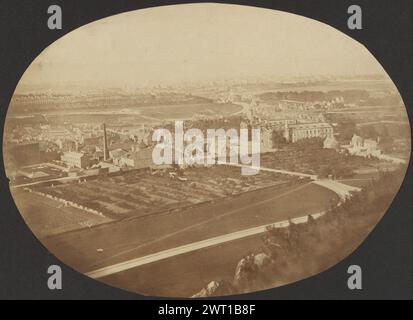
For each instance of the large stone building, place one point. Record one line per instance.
(76, 159)
(295, 132)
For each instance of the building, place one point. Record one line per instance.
(331, 143)
(296, 132)
(267, 142)
(67, 145)
(76, 159)
(363, 147)
(91, 141)
(117, 155)
(139, 158)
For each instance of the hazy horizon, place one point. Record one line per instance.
(196, 43)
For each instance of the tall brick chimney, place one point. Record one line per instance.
(105, 144)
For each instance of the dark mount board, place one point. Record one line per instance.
(386, 255)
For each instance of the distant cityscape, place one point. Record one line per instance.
(91, 148)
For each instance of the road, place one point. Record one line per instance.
(133, 263)
(245, 108)
(382, 122)
(280, 171)
(342, 190)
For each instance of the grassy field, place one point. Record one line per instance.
(47, 217)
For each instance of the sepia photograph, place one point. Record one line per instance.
(204, 150)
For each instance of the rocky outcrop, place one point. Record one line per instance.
(215, 288)
(245, 277)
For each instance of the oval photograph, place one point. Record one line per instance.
(204, 150)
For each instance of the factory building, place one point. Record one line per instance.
(76, 159)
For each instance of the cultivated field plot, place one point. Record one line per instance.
(139, 193)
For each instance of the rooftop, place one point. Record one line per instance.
(74, 154)
(310, 125)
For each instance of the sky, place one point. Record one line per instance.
(197, 42)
